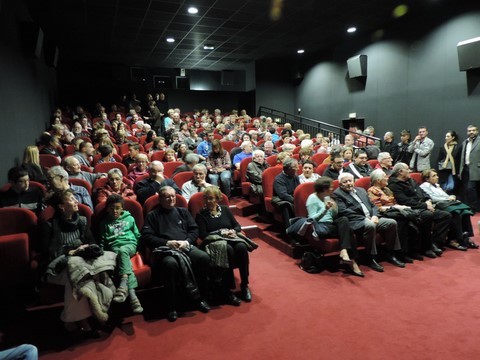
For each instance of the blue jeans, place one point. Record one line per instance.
(225, 178)
(25, 351)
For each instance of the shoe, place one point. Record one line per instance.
(405, 258)
(437, 250)
(120, 294)
(136, 306)
(231, 299)
(172, 316)
(203, 307)
(356, 273)
(472, 245)
(394, 261)
(430, 254)
(416, 256)
(455, 245)
(374, 265)
(245, 294)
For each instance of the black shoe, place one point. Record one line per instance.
(416, 256)
(203, 307)
(374, 265)
(455, 245)
(394, 261)
(405, 258)
(437, 250)
(245, 294)
(172, 316)
(231, 299)
(430, 254)
(472, 245)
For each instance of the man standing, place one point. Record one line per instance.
(175, 231)
(470, 168)
(354, 203)
(389, 144)
(421, 147)
(407, 192)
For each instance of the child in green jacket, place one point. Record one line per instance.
(119, 234)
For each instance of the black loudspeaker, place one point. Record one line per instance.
(469, 54)
(357, 66)
(228, 77)
(32, 39)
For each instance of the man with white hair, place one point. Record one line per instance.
(57, 178)
(269, 148)
(148, 187)
(247, 148)
(385, 162)
(363, 215)
(72, 165)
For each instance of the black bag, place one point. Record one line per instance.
(312, 262)
(90, 252)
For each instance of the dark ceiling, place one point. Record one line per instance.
(134, 32)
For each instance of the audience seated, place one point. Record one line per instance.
(218, 165)
(57, 178)
(283, 187)
(359, 167)
(308, 174)
(31, 163)
(198, 182)
(140, 167)
(72, 165)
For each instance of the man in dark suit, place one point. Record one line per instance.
(470, 168)
(354, 203)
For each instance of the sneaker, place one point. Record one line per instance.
(120, 295)
(136, 306)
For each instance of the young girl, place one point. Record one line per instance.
(119, 234)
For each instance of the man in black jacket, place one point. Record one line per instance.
(407, 192)
(284, 185)
(175, 228)
(148, 187)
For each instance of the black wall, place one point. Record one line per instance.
(409, 83)
(27, 86)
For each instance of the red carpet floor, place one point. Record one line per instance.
(428, 310)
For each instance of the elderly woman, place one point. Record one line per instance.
(255, 170)
(384, 199)
(324, 211)
(218, 166)
(169, 156)
(115, 185)
(140, 168)
(461, 226)
(64, 238)
(216, 222)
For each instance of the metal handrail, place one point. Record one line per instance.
(311, 126)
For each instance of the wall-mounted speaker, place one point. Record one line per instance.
(469, 54)
(357, 66)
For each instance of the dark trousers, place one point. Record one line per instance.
(440, 221)
(460, 224)
(237, 257)
(171, 276)
(339, 228)
(470, 190)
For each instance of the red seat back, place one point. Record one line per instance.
(182, 178)
(47, 161)
(300, 197)
(152, 202)
(170, 167)
(363, 182)
(82, 183)
(106, 166)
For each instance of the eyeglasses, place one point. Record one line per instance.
(51, 178)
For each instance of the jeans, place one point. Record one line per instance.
(225, 179)
(25, 351)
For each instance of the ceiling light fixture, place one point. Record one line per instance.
(208, 47)
(192, 10)
(300, 51)
(170, 40)
(351, 29)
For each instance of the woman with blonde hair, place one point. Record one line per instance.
(31, 163)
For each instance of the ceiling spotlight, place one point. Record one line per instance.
(208, 47)
(351, 29)
(300, 51)
(170, 40)
(192, 10)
